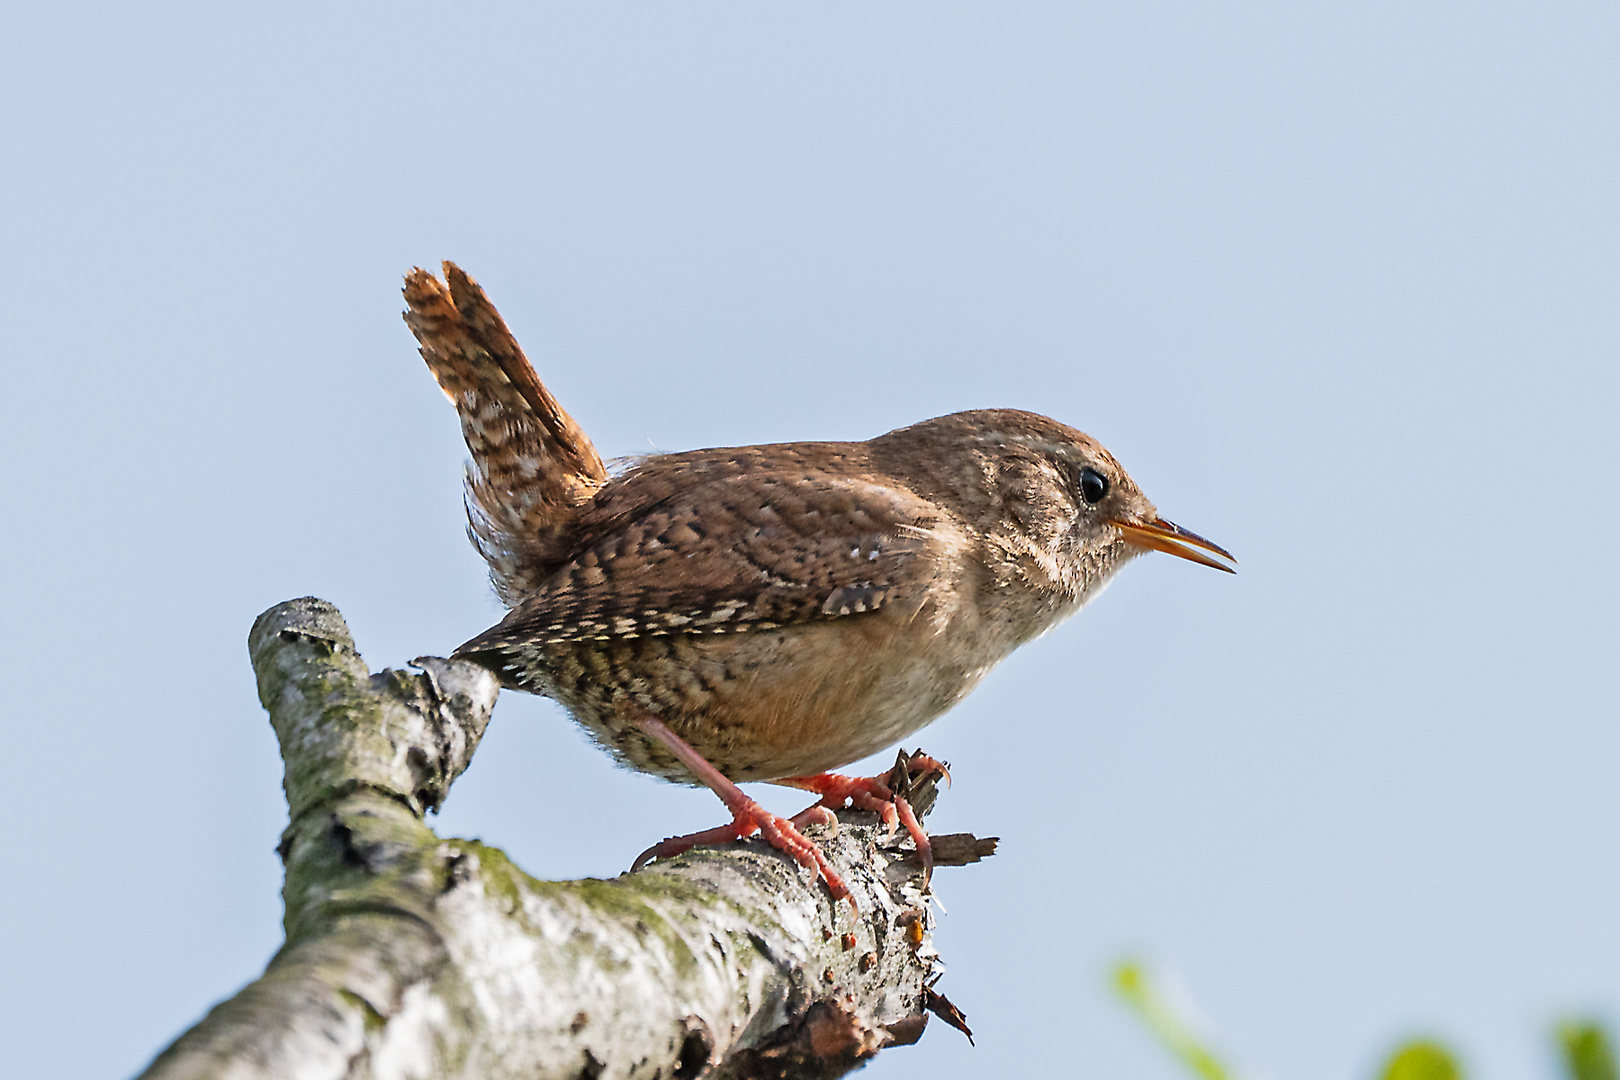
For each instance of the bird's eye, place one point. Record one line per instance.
(1093, 486)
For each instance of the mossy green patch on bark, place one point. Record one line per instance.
(373, 1020)
(501, 876)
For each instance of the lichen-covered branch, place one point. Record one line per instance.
(412, 956)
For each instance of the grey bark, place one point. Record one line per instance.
(408, 955)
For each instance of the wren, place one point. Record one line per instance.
(770, 612)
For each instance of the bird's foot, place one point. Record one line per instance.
(876, 795)
(747, 818)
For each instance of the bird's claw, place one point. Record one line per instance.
(781, 833)
(875, 795)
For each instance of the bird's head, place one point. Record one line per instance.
(1052, 498)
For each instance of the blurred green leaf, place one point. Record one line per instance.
(1587, 1053)
(1422, 1059)
(1172, 1029)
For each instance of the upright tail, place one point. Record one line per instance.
(532, 466)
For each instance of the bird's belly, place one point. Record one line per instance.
(765, 705)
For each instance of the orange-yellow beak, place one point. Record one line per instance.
(1167, 536)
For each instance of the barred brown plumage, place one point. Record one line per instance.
(769, 612)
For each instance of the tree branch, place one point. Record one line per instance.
(411, 956)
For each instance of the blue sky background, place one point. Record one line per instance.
(1337, 283)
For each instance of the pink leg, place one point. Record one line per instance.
(872, 793)
(747, 817)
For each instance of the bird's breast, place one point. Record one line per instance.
(764, 705)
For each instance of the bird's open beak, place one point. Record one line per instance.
(1167, 536)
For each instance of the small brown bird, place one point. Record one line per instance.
(770, 612)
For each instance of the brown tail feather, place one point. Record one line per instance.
(532, 465)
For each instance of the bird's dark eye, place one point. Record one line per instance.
(1093, 486)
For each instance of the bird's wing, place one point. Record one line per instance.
(741, 553)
